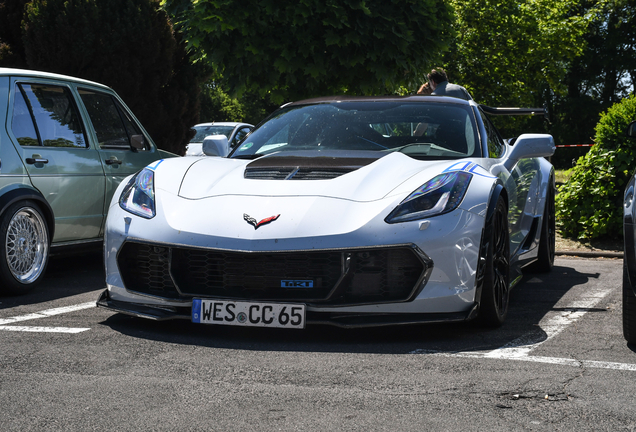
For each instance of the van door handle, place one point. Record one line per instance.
(113, 161)
(35, 160)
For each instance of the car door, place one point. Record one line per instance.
(522, 184)
(51, 138)
(123, 145)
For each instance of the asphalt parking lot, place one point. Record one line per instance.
(558, 363)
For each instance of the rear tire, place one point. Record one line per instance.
(629, 309)
(545, 258)
(495, 293)
(24, 247)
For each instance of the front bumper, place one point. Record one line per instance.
(337, 319)
(443, 289)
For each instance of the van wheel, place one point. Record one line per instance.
(24, 251)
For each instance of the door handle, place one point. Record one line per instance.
(35, 160)
(113, 161)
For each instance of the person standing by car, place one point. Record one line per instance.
(438, 82)
(425, 89)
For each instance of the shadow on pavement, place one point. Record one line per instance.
(530, 301)
(66, 276)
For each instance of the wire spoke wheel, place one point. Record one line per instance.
(26, 245)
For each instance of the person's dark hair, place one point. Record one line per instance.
(438, 76)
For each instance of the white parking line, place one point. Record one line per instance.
(43, 329)
(45, 314)
(520, 348)
(537, 359)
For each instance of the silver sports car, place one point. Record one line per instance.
(350, 211)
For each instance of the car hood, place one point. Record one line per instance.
(358, 177)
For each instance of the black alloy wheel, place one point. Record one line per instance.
(547, 241)
(629, 308)
(495, 292)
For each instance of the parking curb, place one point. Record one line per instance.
(590, 254)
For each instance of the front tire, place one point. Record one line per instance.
(495, 282)
(24, 247)
(629, 309)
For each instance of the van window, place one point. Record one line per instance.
(22, 123)
(113, 124)
(57, 122)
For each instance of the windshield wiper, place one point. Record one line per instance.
(372, 142)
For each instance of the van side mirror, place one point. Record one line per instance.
(138, 142)
(631, 130)
(216, 145)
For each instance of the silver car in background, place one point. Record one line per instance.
(233, 131)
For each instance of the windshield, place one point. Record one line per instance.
(203, 131)
(422, 130)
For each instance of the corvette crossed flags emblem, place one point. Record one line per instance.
(250, 220)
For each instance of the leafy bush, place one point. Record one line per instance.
(590, 204)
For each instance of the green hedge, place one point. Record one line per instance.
(590, 204)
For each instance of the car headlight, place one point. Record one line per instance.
(138, 196)
(439, 195)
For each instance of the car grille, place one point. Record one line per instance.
(322, 277)
(146, 269)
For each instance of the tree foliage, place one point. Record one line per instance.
(512, 51)
(127, 44)
(294, 50)
(11, 47)
(589, 205)
(601, 76)
(217, 105)
(515, 53)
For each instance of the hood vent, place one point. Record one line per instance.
(304, 168)
(295, 173)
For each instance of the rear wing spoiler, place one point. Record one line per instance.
(515, 111)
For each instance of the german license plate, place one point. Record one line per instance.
(282, 315)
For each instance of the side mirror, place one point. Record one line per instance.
(530, 146)
(137, 142)
(216, 145)
(631, 130)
